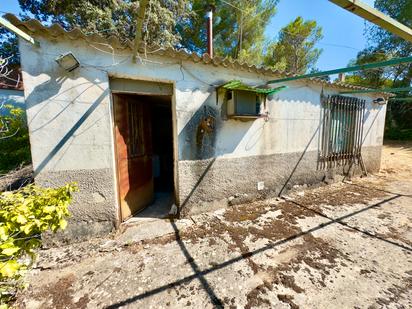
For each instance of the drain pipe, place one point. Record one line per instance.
(209, 23)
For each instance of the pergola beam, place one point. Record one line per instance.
(378, 90)
(354, 68)
(374, 16)
(5, 23)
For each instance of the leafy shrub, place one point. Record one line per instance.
(24, 215)
(398, 134)
(14, 138)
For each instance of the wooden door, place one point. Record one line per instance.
(134, 153)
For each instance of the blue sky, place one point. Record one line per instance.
(343, 32)
(339, 28)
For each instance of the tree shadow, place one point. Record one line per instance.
(199, 274)
(298, 162)
(381, 190)
(69, 134)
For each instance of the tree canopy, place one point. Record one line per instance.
(238, 28)
(113, 17)
(384, 45)
(295, 50)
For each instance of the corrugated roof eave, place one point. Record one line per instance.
(56, 30)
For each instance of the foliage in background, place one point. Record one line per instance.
(295, 50)
(113, 17)
(14, 138)
(238, 28)
(376, 78)
(8, 47)
(383, 46)
(24, 215)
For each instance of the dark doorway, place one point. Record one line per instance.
(144, 144)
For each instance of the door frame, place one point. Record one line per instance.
(174, 129)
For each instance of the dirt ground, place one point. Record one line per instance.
(346, 245)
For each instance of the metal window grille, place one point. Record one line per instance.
(342, 131)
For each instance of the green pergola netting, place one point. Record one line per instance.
(238, 85)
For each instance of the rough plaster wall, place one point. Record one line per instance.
(70, 134)
(94, 207)
(70, 120)
(224, 178)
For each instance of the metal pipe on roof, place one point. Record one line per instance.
(354, 68)
(209, 26)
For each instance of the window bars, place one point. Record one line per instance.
(342, 131)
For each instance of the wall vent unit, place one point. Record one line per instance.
(243, 104)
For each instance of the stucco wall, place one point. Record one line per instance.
(71, 128)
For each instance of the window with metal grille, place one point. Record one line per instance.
(342, 130)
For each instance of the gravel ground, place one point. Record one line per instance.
(346, 245)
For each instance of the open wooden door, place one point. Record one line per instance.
(134, 153)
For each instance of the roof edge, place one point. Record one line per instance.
(56, 30)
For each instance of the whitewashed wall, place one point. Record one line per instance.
(70, 117)
(57, 99)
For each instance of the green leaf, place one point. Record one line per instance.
(49, 209)
(63, 224)
(10, 251)
(3, 233)
(9, 269)
(21, 219)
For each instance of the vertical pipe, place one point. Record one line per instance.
(347, 129)
(342, 129)
(352, 129)
(209, 22)
(362, 122)
(336, 152)
(329, 135)
(359, 128)
(325, 129)
(356, 139)
(339, 130)
(335, 113)
(322, 130)
(331, 130)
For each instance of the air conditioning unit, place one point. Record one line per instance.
(243, 104)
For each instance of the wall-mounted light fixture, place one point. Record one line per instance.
(68, 61)
(379, 101)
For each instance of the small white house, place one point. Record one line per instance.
(205, 132)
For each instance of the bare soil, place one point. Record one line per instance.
(346, 245)
(16, 179)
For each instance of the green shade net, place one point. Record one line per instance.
(238, 85)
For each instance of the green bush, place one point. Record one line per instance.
(14, 138)
(24, 215)
(399, 134)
